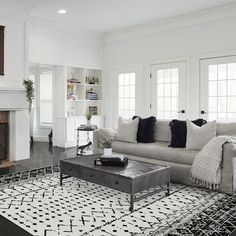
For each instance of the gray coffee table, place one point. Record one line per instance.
(135, 177)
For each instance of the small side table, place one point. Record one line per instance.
(86, 129)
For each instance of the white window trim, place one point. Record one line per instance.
(139, 103)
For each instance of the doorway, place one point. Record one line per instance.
(42, 75)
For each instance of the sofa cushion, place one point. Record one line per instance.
(179, 131)
(162, 131)
(198, 137)
(146, 128)
(127, 130)
(226, 128)
(157, 150)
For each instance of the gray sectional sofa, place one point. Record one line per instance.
(179, 159)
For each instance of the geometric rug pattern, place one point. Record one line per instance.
(35, 201)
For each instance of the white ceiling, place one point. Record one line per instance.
(111, 15)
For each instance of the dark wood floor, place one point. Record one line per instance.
(41, 155)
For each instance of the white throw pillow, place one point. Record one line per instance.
(127, 130)
(198, 137)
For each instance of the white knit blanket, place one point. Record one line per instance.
(206, 168)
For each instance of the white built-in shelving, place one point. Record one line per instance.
(79, 82)
(73, 84)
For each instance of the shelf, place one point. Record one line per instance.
(79, 116)
(97, 85)
(84, 100)
(81, 84)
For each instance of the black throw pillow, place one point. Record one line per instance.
(178, 130)
(146, 129)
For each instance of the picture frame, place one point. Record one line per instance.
(93, 110)
(2, 29)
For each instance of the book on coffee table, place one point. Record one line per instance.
(112, 157)
(111, 161)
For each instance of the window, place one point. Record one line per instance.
(126, 94)
(168, 90)
(220, 76)
(167, 93)
(46, 98)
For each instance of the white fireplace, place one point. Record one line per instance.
(14, 101)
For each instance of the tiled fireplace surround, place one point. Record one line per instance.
(13, 101)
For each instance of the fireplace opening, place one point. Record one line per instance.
(4, 135)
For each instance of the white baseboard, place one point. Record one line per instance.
(41, 139)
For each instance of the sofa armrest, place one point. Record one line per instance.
(99, 134)
(228, 181)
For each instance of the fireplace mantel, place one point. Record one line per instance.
(13, 99)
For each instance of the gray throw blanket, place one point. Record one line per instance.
(206, 168)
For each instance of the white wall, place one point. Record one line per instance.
(15, 52)
(54, 45)
(148, 45)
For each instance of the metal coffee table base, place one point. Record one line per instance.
(134, 199)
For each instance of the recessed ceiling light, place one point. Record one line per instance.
(62, 11)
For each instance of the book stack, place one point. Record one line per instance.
(111, 160)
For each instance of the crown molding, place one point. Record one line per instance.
(68, 27)
(213, 14)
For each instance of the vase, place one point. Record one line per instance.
(88, 122)
(31, 124)
(107, 151)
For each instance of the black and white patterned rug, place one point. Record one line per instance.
(34, 201)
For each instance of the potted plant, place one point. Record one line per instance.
(88, 116)
(107, 145)
(29, 93)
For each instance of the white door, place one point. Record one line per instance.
(127, 93)
(218, 88)
(168, 90)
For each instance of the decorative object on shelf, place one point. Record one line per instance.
(92, 94)
(107, 145)
(75, 81)
(73, 97)
(29, 93)
(88, 116)
(91, 80)
(93, 110)
(71, 89)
